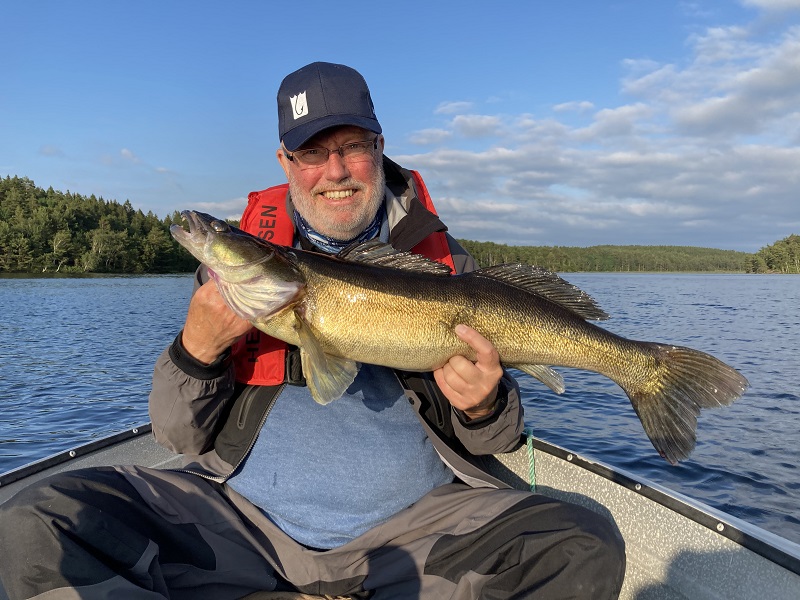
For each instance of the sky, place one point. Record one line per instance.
(569, 123)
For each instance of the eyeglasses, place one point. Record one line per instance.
(352, 152)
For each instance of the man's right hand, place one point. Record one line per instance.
(211, 326)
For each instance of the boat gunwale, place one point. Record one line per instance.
(60, 458)
(758, 540)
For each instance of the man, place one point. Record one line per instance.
(377, 494)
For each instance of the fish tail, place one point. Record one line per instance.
(669, 401)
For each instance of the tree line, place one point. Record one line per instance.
(781, 257)
(611, 258)
(47, 231)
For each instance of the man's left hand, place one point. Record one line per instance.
(471, 387)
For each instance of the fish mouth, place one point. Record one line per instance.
(194, 223)
(191, 219)
(198, 222)
(202, 228)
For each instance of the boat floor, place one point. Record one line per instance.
(677, 548)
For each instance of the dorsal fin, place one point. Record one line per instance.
(375, 252)
(548, 285)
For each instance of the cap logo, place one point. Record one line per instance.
(299, 105)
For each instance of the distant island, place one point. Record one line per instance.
(613, 258)
(47, 231)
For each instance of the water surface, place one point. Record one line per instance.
(76, 360)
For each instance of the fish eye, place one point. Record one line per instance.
(219, 226)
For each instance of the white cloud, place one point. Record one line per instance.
(129, 156)
(578, 107)
(773, 4)
(526, 128)
(482, 208)
(428, 137)
(452, 108)
(735, 94)
(477, 125)
(695, 9)
(225, 209)
(620, 121)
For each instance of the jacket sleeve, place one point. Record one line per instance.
(501, 430)
(187, 397)
(498, 432)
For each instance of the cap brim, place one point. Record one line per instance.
(294, 138)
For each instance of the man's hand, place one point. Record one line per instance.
(471, 387)
(211, 326)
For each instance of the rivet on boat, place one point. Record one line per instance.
(638, 487)
(569, 456)
(72, 453)
(720, 526)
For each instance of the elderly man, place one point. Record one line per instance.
(378, 494)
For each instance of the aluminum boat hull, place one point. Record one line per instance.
(677, 548)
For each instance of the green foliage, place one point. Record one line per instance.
(611, 258)
(44, 231)
(781, 257)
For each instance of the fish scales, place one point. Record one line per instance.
(399, 316)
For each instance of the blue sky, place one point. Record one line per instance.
(568, 123)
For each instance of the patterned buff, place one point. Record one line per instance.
(333, 246)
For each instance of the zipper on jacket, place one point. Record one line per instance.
(260, 426)
(433, 397)
(241, 418)
(224, 478)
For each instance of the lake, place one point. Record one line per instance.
(76, 359)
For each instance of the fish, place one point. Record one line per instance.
(376, 305)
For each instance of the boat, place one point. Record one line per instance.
(677, 548)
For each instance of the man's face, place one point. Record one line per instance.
(338, 199)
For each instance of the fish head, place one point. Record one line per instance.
(230, 253)
(256, 278)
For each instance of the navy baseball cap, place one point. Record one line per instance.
(319, 96)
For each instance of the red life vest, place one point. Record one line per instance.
(258, 358)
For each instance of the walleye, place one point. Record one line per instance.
(372, 304)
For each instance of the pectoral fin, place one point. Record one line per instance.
(546, 375)
(327, 377)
